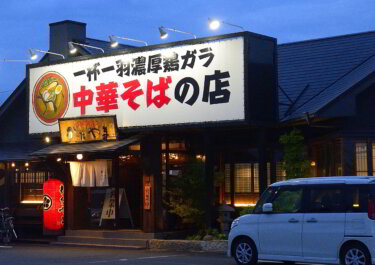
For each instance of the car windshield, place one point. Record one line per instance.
(266, 197)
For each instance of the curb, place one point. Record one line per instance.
(214, 246)
(34, 241)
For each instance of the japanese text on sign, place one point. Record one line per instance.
(185, 84)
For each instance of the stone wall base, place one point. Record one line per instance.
(219, 246)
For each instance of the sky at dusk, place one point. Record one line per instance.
(25, 24)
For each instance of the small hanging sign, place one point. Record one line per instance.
(147, 196)
(89, 129)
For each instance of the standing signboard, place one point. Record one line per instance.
(109, 209)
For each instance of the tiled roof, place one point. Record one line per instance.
(313, 73)
(95, 147)
(19, 151)
(105, 45)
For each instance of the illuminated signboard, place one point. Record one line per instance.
(189, 83)
(87, 129)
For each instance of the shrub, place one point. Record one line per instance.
(247, 210)
(186, 194)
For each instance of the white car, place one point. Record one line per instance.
(313, 220)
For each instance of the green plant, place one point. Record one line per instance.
(294, 163)
(214, 233)
(186, 194)
(247, 210)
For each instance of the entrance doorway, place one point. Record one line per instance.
(94, 207)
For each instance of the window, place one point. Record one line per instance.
(30, 185)
(358, 197)
(361, 159)
(246, 183)
(242, 174)
(256, 177)
(227, 178)
(266, 197)
(280, 173)
(287, 200)
(246, 178)
(30, 177)
(175, 145)
(326, 200)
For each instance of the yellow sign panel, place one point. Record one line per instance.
(88, 129)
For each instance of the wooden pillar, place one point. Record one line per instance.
(369, 159)
(115, 173)
(262, 160)
(69, 203)
(7, 185)
(152, 181)
(232, 184)
(348, 157)
(209, 176)
(273, 166)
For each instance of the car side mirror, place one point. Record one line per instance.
(267, 208)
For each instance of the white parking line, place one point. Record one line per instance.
(152, 257)
(6, 247)
(158, 257)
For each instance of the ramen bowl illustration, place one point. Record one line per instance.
(50, 98)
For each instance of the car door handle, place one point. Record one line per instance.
(292, 220)
(311, 220)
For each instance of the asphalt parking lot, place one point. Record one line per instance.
(48, 254)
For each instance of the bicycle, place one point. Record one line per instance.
(7, 231)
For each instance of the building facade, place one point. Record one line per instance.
(141, 116)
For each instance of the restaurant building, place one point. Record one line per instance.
(124, 123)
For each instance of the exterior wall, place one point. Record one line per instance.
(13, 122)
(63, 32)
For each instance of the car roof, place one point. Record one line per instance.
(327, 180)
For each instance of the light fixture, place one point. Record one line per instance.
(79, 156)
(26, 164)
(58, 159)
(114, 42)
(243, 204)
(73, 50)
(33, 55)
(16, 61)
(215, 24)
(47, 139)
(31, 202)
(13, 164)
(313, 163)
(164, 34)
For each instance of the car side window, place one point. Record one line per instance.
(287, 200)
(265, 198)
(326, 199)
(358, 196)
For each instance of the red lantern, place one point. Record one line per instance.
(53, 207)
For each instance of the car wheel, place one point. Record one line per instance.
(355, 255)
(245, 252)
